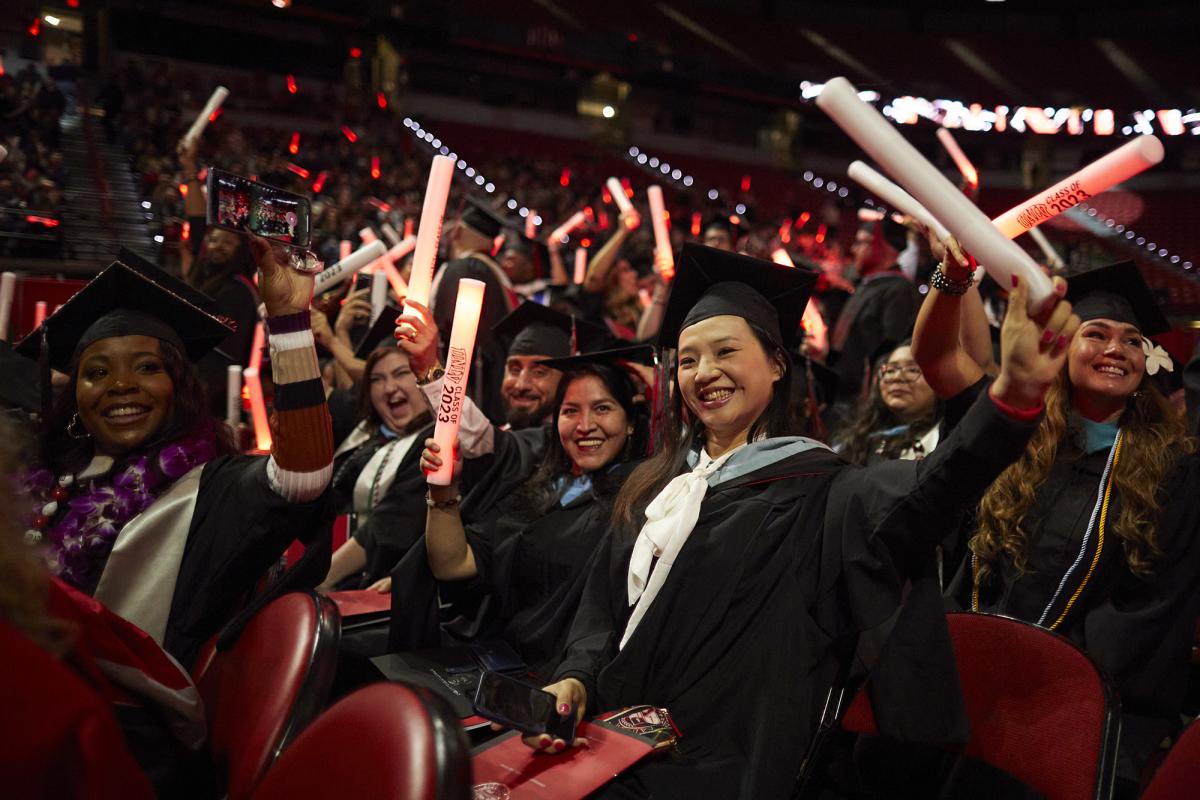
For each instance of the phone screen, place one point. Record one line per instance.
(241, 204)
(512, 702)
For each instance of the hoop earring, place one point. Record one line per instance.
(73, 425)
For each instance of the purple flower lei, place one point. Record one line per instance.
(85, 526)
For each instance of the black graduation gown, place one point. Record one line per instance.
(1138, 631)
(487, 371)
(881, 310)
(239, 529)
(784, 568)
(535, 571)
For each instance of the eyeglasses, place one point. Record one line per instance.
(907, 372)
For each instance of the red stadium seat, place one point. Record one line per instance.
(1179, 775)
(1038, 708)
(385, 740)
(262, 692)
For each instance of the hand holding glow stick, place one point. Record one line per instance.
(573, 222)
(193, 133)
(894, 196)
(1001, 257)
(233, 396)
(8, 288)
(1121, 164)
(448, 411)
(664, 258)
(333, 275)
(969, 173)
(622, 200)
(429, 232)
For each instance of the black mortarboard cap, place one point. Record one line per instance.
(532, 329)
(128, 299)
(478, 216)
(637, 353)
(383, 330)
(710, 283)
(535, 251)
(1119, 293)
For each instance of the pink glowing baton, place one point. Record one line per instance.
(664, 258)
(429, 232)
(448, 411)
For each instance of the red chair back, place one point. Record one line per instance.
(1037, 707)
(385, 740)
(1179, 775)
(263, 691)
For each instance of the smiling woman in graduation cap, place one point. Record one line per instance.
(1095, 531)
(745, 559)
(140, 501)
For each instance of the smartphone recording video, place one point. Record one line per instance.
(240, 204)
(522, 706)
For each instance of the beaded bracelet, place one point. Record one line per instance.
(945, 285)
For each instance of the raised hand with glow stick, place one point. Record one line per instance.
(448, 411)
(429, 231)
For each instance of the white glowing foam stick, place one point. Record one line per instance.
(780, 256)
(1121, 164)
(969, 173)
(214, 102)
(1001, 257)
(258, 409)
(389, 233)
(1053, 259)
(398, 253)
(233, 396)
(664, 258)
(334, 275)
(345, 248)
(581, 260)
(895, 197)
(429, 232)
(8, 288)
(531, 224)
(379, 290)
(39, 314)
(618, 194)
(448, 411)
(573, 222)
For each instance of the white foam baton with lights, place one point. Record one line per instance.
(1105, 172)
(622, 200)
(1053, 259)
(581, 260)
(8, 287)
(379, 290)
(214, 102)
(573, 222)
(429, 232)
(894, 196)
(1001, 257)
(334, 275)
(448, 411)
(664, 258)
(233, 396)
(969, 173)
(389, 233)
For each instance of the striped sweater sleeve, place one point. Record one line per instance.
(301, 462)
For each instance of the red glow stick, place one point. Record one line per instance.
(294, 145)
(664, 258)
(969, 173)
(573, 222)
(581, 259)
(429, 232)
(258, 410)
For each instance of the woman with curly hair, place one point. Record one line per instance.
(1093, 533)
(900, 420)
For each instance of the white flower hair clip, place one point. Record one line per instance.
(1156, 358)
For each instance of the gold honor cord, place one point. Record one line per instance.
(1095, 557)
(1099, 540)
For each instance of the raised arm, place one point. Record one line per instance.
(938, 336)
(301, 462)
(602, 262)
(450, 556)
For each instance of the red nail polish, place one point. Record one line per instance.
(560, 746)
(1062, 341)
(1015, 280)
(564, 709)
(1047, 337)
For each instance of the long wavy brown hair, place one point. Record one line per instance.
(854, 438)
(1153, 437)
